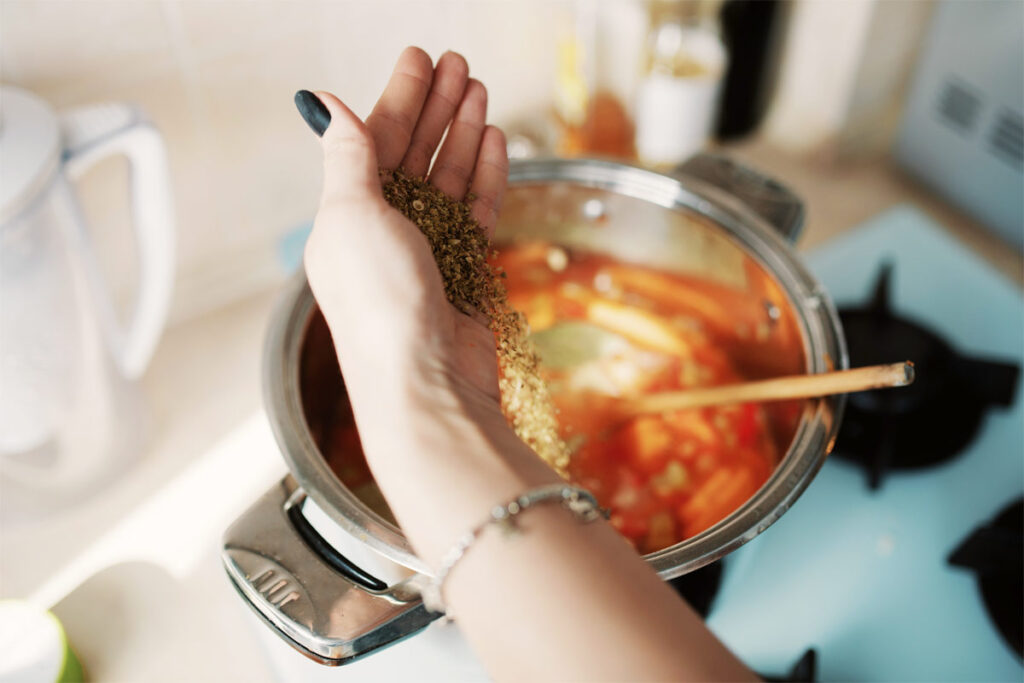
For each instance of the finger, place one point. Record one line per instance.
(454, 165)
(490, 179)
(449, 84)
(350, 162)
(394, 116)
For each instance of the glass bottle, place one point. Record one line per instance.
(678, 95)
(593, 119)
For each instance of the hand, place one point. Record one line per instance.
(372, 271)
(421, 375)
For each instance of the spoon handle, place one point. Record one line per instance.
(777, 389)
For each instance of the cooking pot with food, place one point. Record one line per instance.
(702, 256)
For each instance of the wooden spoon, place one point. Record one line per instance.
(777, 389)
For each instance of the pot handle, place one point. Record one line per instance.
(310, 594)
(767, 198)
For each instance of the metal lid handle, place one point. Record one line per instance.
(767, 198)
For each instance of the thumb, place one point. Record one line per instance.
(350, 160)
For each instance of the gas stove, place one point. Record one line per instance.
(875, 573)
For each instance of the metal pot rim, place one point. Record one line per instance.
(824, 349)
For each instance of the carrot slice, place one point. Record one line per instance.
(721, 307)
(638, 326)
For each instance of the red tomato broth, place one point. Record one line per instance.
(664, 478)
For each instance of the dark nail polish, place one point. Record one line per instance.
(313, 111)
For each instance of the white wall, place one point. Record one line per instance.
(845, 69)
(217, 77)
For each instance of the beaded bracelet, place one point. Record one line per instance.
(580, 502)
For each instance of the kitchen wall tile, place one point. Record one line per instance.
(268, 159)
(215, 28)
(71, 48)
(509, 45)
(511, 48)
(361, 40)
(218, 78)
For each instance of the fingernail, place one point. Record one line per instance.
(313, 111)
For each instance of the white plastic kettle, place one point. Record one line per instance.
(68, 407)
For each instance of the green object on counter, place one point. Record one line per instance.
(71, 670)
(34, 647)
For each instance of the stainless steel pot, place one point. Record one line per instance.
(708, 218)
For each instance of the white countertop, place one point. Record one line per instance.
(134, 571)
(203, 383)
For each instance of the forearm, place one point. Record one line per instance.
(564, 601)
(611, 616)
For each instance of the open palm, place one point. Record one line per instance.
(370, 269)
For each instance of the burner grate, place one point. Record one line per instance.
(995, 553)
(699, 587)
(932, 420)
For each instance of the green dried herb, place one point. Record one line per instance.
(460, 249)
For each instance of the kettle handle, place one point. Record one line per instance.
(93, 133)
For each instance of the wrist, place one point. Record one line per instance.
(443, 460)
(439, 447)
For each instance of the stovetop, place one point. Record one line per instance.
(861, 575)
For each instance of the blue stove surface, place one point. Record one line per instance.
(861, 575)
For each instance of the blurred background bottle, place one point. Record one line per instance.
(752, 31)
(595, 63)
(684, 63)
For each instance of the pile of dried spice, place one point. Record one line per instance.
(460, 248)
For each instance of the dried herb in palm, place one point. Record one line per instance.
(460, 249)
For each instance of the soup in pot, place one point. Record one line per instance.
(607, 327)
